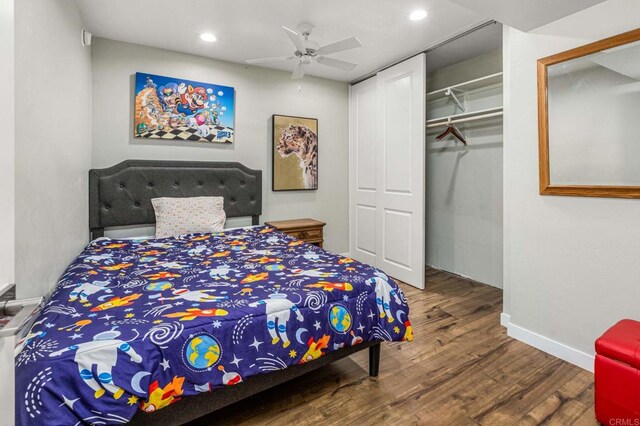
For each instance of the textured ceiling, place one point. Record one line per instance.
(251, 29)
(526, 15)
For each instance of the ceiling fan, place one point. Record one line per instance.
(308, 51)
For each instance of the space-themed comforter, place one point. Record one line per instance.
(140, 324)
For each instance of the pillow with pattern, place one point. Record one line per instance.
(179, 216)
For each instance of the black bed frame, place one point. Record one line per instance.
(121, 196)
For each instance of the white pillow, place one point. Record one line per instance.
(178, 216)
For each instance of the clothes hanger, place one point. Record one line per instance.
(452, 130)
(458, 135)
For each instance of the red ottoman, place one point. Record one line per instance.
(617, 374)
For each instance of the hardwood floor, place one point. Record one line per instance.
(460, 369)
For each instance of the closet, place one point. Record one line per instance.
(463, 205)
(425, 161)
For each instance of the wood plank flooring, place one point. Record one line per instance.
(461, 369)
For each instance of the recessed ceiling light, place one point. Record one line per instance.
(208, 37)
(418, 15)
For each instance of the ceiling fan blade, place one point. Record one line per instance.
(296, 39)
(298, 72)
(336, 63)
(339, 46)
(274, 59)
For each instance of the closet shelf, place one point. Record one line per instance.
(467, 86)
(465, 116)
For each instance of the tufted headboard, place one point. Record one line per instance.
(121, 195)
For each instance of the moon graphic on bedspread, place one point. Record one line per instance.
(136, 379)
(299, 335)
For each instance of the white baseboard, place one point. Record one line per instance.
(550, 346)
(345, 254)
(505, 319)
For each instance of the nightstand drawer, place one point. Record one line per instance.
(311, 234)
(308, 230)
(296, 234)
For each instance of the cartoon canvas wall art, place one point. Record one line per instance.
(295, 153)
(183, 110)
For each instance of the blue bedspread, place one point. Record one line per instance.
(139, 324)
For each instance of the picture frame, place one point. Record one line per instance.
(181, 110)
(586, 174)
(294, 157)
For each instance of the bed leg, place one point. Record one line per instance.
(374, 360)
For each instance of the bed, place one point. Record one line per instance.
(167, 330)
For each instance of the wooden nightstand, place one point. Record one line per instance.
(307, 230)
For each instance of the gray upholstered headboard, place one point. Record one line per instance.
(121, 195)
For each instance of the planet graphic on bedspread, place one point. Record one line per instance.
(202, 351)
(340, 318)
(274, 267)
(159, 286)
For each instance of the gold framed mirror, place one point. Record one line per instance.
(589, 119)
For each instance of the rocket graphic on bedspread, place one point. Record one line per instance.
(315, 349)
(162, 397)
(116, 302)
(327, 286)
(193, 313)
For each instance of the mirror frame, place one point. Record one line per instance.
(546, 188)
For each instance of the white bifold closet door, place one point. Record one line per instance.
(386, 161)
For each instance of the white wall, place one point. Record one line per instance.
(571, 264)
(7, 240)
(52, 148)
(464, 184)
(260, 93)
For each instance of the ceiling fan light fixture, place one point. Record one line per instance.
(309, 52)
(418, 15)
(208, 37)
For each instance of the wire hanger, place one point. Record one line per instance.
(452, 130)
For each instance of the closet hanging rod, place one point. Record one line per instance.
(465, 115)
(464, 120)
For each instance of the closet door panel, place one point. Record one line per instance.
(397, 230)
(400, 140)
(366, 223)
(365, 138)
(397, 136)
(363, 171)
